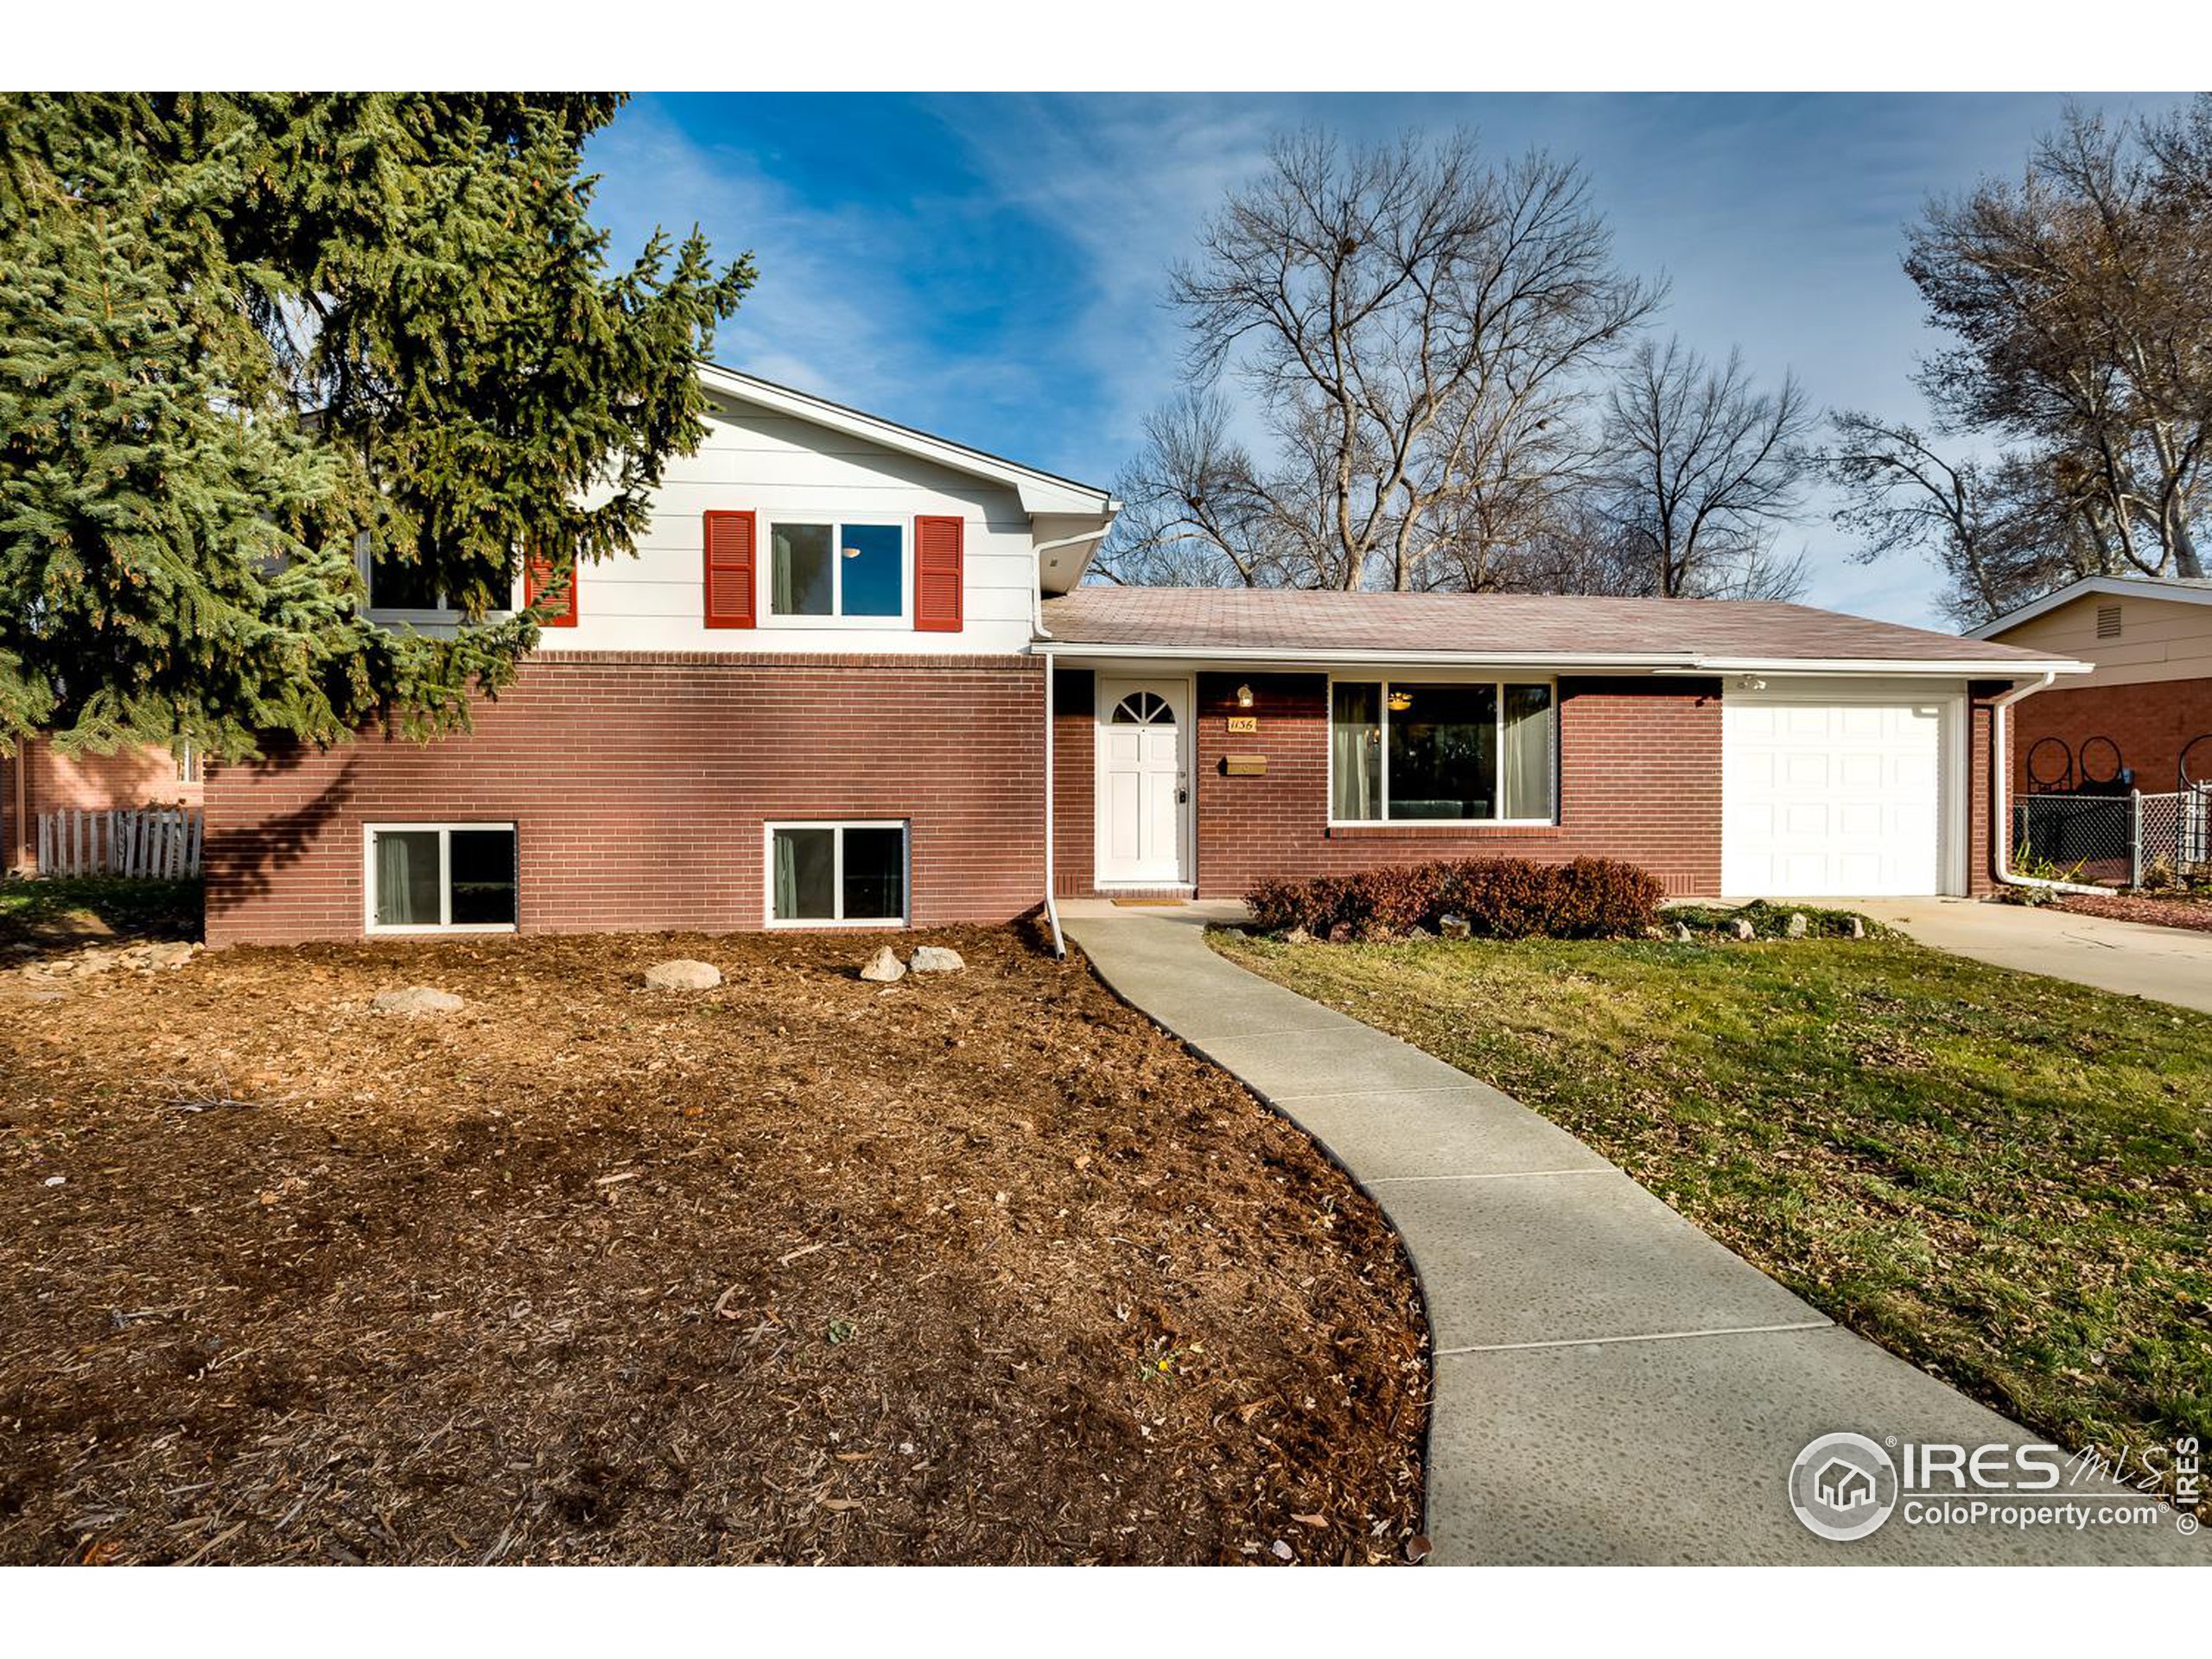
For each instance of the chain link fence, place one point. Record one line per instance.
(2114, 838)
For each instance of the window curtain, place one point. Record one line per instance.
(786, 877)
(395, 883)
(783, 600)
(1354, 735)
(1525, 766)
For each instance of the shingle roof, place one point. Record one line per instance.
(1297, 623)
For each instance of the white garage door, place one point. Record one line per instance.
(1831, 798)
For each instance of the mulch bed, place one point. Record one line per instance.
(2157, 913)
(980, 1267)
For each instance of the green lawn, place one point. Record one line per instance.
(55, 912)
(2007, 1179)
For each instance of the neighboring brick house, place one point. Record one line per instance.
(2146, 702)
(830, 690)
(36, 778)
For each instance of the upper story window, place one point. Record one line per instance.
(1458, 753)
(402, 585)
(843, 570)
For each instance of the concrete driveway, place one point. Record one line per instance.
(2166, 964)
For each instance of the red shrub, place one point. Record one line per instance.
(1500, 897)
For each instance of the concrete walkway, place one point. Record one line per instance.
(1612, 1384)
(2167, 965)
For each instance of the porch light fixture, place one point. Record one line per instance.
(1401, 700)
(1243, 696)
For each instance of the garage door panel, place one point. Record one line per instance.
(1831, 797)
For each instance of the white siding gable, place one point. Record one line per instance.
(778, 464)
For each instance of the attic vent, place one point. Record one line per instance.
(2107, 621)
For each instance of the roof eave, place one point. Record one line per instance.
(1629, 662)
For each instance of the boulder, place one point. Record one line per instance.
(1682, 934)
(1298, 936)
(1855, 927)
(1743, 930)
(1454, 927)
(168, 953)
(682, 974)
(936, 959)
(417, 999)
(1796, 927)
(884, 967)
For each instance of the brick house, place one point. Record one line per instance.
(853, 677)
(36, 778)
(2133, 718)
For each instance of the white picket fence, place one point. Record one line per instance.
(149, 842)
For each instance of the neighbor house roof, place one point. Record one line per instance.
(1717, 636)
(2168, 587)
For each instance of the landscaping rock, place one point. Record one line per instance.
(1796, 925)
(1682, 934)
(682, 974)
(1743, 930)
(1454, 927)
(884, 967)
(1298, 936)
(168, 953)
(1855, 926)
(936, 959)
(417, 999)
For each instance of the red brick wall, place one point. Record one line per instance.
(2151, 723)
(1075, 766)
(640, 785)
(1639, 779)
(55, 782)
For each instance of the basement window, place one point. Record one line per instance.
(837, 874)
(441, 878)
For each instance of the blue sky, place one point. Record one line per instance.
(992, 268)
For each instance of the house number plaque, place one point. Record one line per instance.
(1243, 724)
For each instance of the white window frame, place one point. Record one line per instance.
(764, 607)
(1441, 825)
(905, 829)
(445, 829)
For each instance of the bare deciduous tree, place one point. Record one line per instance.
(2078, 300)
(2003, 531)
(1703, 471)
(1414, 322)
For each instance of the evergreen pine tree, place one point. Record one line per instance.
(243, 336)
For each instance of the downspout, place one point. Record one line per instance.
(1043, 634)
(1052, 904)
(2001, 766)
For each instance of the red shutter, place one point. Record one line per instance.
(729, 570)
(536, 577)
(937, 575)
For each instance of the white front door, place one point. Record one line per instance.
(1143, 781)
(1833, 797)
